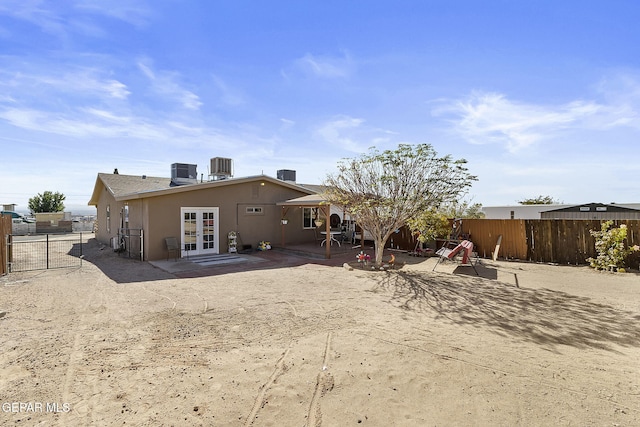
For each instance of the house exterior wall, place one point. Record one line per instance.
(103, 235)
(161, 218)
(116, 208)
(519, 211)
(603, 216)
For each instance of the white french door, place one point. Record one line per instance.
(199, 231)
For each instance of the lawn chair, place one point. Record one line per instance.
(172, 246)
(465, 247)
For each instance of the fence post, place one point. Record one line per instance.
(47, 251)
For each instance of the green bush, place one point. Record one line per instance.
(611, 248)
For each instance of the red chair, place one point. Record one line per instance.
(465, 247)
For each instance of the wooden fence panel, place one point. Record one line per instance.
(484, 234)
(557, 241)
(5, 230)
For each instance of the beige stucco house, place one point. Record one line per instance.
(199, 215)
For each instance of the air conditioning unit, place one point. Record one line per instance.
(286, 175)
(183, 173)
(221, 168)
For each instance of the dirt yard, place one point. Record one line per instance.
(121, 342)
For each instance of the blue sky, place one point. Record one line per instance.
(541, 97)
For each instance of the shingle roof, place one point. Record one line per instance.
(120, 185)
(132, 186)
(314, 187)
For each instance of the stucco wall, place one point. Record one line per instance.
(104, 233)
(163, 218)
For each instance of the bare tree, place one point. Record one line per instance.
(383, 191)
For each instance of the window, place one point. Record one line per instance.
(254, 210)
(125, 212)
(513, 214)
(308, 216)
(108, 222)
(190, 235)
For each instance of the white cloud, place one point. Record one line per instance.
(326, 66)
(228, 95)
(83, 124)
(286, 123)
(36, 13)
(166, 84)
(335, 132)
(33, 87)
(486, 118)
(61, 19)
(136, 13)
(351, 134)
(493, 118)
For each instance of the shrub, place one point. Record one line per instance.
(610, 246)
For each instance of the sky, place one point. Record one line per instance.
(541, 97)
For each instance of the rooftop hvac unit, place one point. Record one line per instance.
(286, 175)
(183, 173)
(221, 168)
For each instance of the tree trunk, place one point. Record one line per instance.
(379, 249)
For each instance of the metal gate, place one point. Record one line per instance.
(25, 253)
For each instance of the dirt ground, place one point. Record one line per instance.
(121, 342)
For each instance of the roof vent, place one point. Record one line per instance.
(286, 175)
(221, 168)
(183, 174)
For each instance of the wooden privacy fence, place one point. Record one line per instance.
(544, 240)
(5, 230)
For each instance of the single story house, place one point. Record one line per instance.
(200, 215)
(518, 211)
(546, 211)
(599, 211)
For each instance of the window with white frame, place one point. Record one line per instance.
(254, 210)
(308, 217)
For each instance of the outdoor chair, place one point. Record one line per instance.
(319, 237)
(465, 247)
(172, 246)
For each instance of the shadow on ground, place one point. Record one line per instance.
(122, 269)
(545, 317)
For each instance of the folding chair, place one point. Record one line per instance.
(465, 247)
(172, 246)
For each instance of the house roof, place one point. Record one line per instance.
(317, 189)
(120, 185)
(129, 187)
(595, 207)
(309, 200)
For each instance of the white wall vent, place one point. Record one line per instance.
(221, 168)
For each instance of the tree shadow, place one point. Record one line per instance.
(542, 316)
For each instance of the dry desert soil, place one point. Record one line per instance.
(306, 343)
